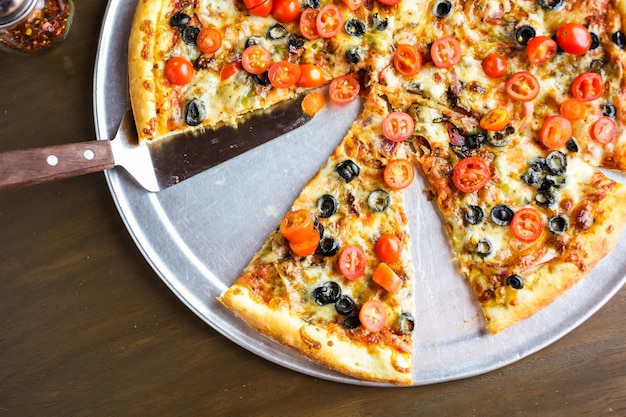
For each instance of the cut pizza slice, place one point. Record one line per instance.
(335, 281)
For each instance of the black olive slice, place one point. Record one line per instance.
(545, 198)
(311, 4)
(524, 34)
(596, 65)
(407, 323)
(571, 145)
(475, 140)
(556, 162)
(354, 55)
(551, 4)
(194, 113)
(500, 138)
(502, 215)
(378, 23)
(619, 39)
(609, 110)
(190, 34)
(532, 178)
(327, 205)
(474, 214)
(515, 281)
(328, 293)
(179, 20)
(252, 40)
(351, 322)
(295, 42)
(348, 170)
(277, 31)
(344, 305)
(483, 247)
(595, 41)
(328, 246)
(262, 79)
(442, 8)
(558, 224)
(378, 200)
(354, 27)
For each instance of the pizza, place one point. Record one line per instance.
(508, 109)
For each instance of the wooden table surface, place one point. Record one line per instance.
(87, 328)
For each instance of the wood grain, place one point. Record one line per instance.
(88, 329)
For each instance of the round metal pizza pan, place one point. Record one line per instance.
(199, 234)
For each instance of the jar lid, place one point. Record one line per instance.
(13, 11)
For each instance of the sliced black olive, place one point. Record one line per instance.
(328, 246)
(354, 27)
(311, 4)
(571, 145)
(595, 41)
(262, 79)
(515, 281)
(442, 8)
(474, 214)
(327, 205)
(551, 4)
(378, 23)
(596, 65)
(354, 55)
(351, 322)
(556, 162)
(190, 34)
(545, 198)
(277, 31)
(194, 113)
(483, 247)
(328, 293)
(500, 138)
(502, 215)
(524, 34)
(609, 110)
(179, 19)
(552, 181)
(475, 140)
(344, 305)
(295, 42)
(348, 170)
(558, 224)
(378, 200)
(252, 40)
(407, 323)
(619, 39)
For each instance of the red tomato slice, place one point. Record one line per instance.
(573, 109)
(259, 7)
(230, 70)
(522, 86)
(179, 70)
(353, 4)
(308, 26)
(604, 130)
(399, 173)
(541, 49)
(352, 262)
(389, 2)
(555, 131)
(573, 38)
(471, 174)
(256, 59)
(297, 225)
(527, 224)
(445, 52)
(209, 40)
(373, 315)
(311, 76)
(286, 11)
(344, 89)
(587, 86)
(388, 247)
(495, 120)
(284, 74)
(398, 126)
(312, 103)
(495, 65)
(329, 21)
(387, 278)
(407, 60)
(308, 246)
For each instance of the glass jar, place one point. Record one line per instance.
(34, 25)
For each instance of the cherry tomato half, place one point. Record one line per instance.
(311, 76)
(312, 103)
(209, 40)
(284, 74)
(372, 315)
(522, 86)
(471, 174)
(308, 245)
(495, 120)
(495, 65)
(352, 262)
(308, 26)
(259, 7)
(398, 126)
(256, 59)
(389, 2)
(573, 109)
(573, 38)
(296, 225)
(179, 70)
(555, 131)
(407, 60)
(353, 4)
(527, 224)
(587, 86)
(329, 21)
(230, 70)
(445, 52)
(399, 173)
(604, 130)
(388, 247)
(344, 89)
(286, 11)
(541, 49)
(387, 278)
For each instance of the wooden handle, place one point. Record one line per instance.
(34, 166)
